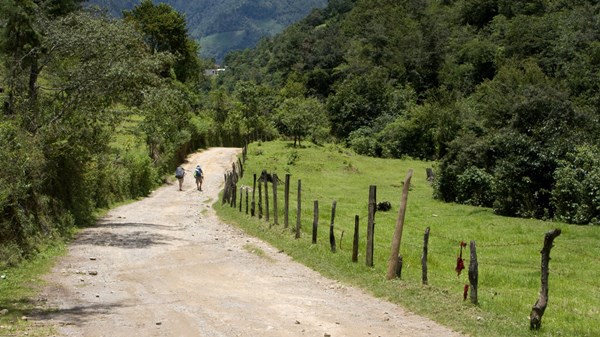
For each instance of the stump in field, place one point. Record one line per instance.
(535, 317)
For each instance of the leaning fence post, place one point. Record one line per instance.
(241, 166)
(371, 224)
(393, 260)
(535, 317)
(331, 233)
(355, 241)
(424, 256)
(473, 272)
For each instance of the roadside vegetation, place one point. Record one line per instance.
(508, 248)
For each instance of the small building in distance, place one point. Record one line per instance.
(214, 71)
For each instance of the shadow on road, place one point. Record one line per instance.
(131, 240)
(77, 315)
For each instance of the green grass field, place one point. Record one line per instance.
(508, 249)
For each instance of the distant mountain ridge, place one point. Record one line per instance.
(221, 26)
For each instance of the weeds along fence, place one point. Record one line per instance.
(262, 201)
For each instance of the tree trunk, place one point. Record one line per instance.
(535, 317)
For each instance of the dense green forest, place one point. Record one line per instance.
(224, 25)
(503, 95)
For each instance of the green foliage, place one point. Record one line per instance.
(25, 213)
(576, 194)
(165, 30)
(66, 108)
(303, 117)
(166, 124)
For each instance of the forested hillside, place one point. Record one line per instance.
(504, 95)
(224, 25)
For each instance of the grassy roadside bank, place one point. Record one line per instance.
(508, 248)
(19, 292)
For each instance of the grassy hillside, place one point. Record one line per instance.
(508, 248)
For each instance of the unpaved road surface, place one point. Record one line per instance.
(166, 266)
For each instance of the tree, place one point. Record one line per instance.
(303, 117)
(165, 30)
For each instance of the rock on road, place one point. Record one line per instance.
(167, 266)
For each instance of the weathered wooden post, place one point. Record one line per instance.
(424, 256)
(331, 233)
(260, 209)
(225, 189)
(355, 241)
(241, 166)
(247, 201)
(473, 272)
(253, 206)
(265, 175)
(535, 317)
(275, 210)
(430, 174)
(286, 201)
(371, 224)
(397, 240)
(299, 210)
(241, 192)
(315, 221)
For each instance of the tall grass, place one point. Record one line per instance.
(508, 249)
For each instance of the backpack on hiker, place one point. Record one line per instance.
(179, 172)
(198, 172)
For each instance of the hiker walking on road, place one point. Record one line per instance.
(179, 174)
(199, 177)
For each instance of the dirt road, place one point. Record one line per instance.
(166, 266)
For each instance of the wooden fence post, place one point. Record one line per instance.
(275, 210)
(260, 209)
(253, 206)
(473, 272)
(241, 192)
(331, 233)
(241, 166)
(371, 224)
(247, 201)
(315, 221)
(397, 240)
(286, 201)
(424, 256)
(535, 317)
(355, 241)
(266, 181)
(299, 210)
